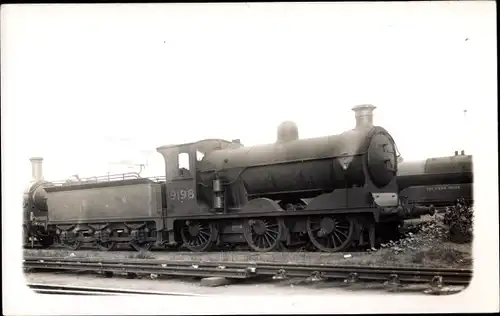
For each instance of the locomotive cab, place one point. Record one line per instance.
(182, 194)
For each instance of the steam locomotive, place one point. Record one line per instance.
(332, 192)
(439, 181)
(35, 209)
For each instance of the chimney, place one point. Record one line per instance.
(364, 115)
(36, 168)
(456, 152)
(462, 152)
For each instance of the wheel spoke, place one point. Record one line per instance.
(334, 233)
(269, 243)
(262, 234)
(273, 231)
(339, 231)
(203, 238)
(330, 240)
(333, 240)
(271, 236)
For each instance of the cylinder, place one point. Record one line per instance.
(36, 168)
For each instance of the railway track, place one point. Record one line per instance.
(81, 290)
(245, 270)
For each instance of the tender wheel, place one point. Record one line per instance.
(46, 241)
(106, 246)
(263, 234)
(141, 247)
(73, 245)
(330, 233)
(198, 236)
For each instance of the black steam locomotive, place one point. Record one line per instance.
(437, 181)
(231, 194)
(35, 209)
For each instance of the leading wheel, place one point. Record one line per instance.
(330, 233)
(263, 234)
(198, 236)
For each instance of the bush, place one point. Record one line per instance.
(458, 220)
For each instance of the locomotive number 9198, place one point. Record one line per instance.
(182, 194)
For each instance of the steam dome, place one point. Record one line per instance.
(287, 131)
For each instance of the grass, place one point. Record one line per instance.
(442, 253)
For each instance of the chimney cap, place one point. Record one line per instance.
(363, 113)
(361, 107)
(36, 158)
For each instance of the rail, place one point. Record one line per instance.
(106, 178)
(84, 290)
(245, 270)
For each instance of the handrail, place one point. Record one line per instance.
(106, 178)
(158, 178)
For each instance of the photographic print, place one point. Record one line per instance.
(267, 151)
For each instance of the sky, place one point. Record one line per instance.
(88, 86)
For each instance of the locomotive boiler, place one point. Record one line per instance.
(291, 169)
(439, 181)
(331, 192)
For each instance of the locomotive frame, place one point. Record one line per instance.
(253, 222)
